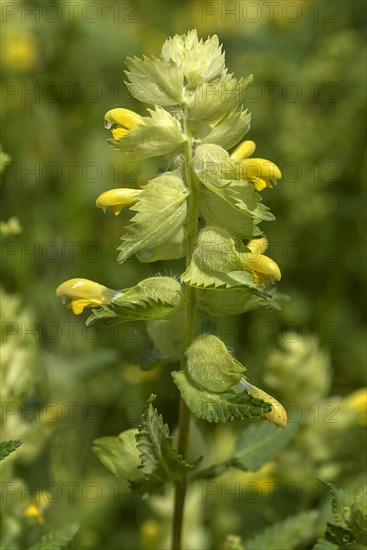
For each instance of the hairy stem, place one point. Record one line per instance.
(184, 414)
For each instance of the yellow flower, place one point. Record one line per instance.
(85, 293)
(262, 173)
(357, 402)
(277, 415)
(120, 121)
(262, 268)
(116, 199)
(36, 508)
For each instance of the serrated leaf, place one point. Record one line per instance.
(173, 249)
(290, 533)
(338, 535)
(212, 100)
(220, 213)
(160, 461)
(323, 544)
(210, 366)
(201, 61)
(160, 214)
(119, 454)
(155, 136)
(230, 130)
(235, 301)
(216, 262)
(56, 540)
(256, 445)
(259, 443)
(8, 447)
(152, 298)
(155, 81)
(219, 407)
(220, 174)
(342, 501)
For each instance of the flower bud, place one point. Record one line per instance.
(116, 199)
(277, 415)
(244, 150)
(85, 293)
(120, 121)
(261, 172)
(262, 268)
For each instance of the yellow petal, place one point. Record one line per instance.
(118, 133)
(259, 168)
(78, 305)
(278, 414)
(34, 511)
(121, 117)
(244, 150)
(258, 246)
(117, 199)
(262, 265)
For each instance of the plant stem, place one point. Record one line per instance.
(184, 413)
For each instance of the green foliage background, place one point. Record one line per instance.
(69, 384)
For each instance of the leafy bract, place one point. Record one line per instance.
(210, 366)
(152, 298)
(173, 249)
(160, 461)
(8, 447)
(212, 100)
(160, 215)
(56, 540)
(167, 335)
(219, 407)
(155, 81)
(230, 129)
(293, 532)
(201, 61)
(119, 454)
(235, 301)
(154, 136)
(216, 263)
(256, 445)
(220, 174)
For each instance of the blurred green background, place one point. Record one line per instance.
(63, 384)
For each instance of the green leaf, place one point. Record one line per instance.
(155, 136)
(119, 454)
(173, 249)
(152, 298)
(155, 81)
(201, 61)
(210, 366)
(219, 407)
(221, 175)
(160, 461)
(160, 215)
(219, 212)
(56, 540)
(256, 445)
(8, 447)
(234, 301)
(167, 335)
(230, 130)
(216, 262)
(233, 542)
(341, 503)
(290, 533)
(323, 544)
(213, 100)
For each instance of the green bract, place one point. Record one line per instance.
(210, 366)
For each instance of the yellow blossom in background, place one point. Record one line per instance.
(85, 293)
(120, 121)
(261, 172)
(357, 402)
(117, 199)
(20, 51)
(150, 534)
(262, 268)
(37, 507)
